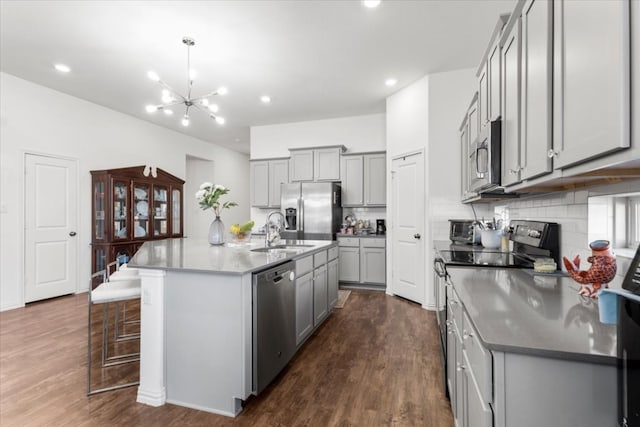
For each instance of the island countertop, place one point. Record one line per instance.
(192, 254)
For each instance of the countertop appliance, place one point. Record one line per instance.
(531, 240)
(629, 349)
(483, 169)
(274, 323)
(463, 231)
(381, 228)
(313, 210)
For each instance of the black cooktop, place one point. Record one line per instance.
(485, 258)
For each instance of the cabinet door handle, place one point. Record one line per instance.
(551, 153)
(466, 335)
(461, 367)
(416, 236)
(72, 233)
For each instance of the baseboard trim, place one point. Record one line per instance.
(152, 398)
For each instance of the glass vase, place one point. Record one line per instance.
(216, 232)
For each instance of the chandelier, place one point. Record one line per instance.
(171, 97)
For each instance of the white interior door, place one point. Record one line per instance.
(407, 220)
(50, 227)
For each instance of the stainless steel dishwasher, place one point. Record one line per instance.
(274, 323)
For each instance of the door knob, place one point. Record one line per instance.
(416, 236)
(72, 233)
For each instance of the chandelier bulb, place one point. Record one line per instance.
(213, 108)
(153, 76)
(151, 108)
(222, 91)
(168, 112)
(220, 120)
(185, 120)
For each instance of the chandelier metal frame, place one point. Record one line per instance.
(171, 97)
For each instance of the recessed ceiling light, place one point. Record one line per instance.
(62, 68)
(371, 4)
(391, 82)
(265, 99)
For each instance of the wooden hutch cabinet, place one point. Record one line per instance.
(129, 208)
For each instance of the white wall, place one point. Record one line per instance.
(426, 115)
(37, 119)
(356, 133)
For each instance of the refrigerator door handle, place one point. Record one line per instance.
(301, 214)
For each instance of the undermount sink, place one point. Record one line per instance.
(281, 248)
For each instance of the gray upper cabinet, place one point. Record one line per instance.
(352, 178)
(301, 165)
(259, 183)
(488, 75)
(326, 164)
(278, 175)
(266, 177)
(591, 79)
(464, 149)
(364, 179)
(510, 51)
(375, 179)
(315, 164)
(494, 91)
(536, 88)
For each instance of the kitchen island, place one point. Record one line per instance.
(196, 347)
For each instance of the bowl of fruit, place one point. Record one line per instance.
(241, 233)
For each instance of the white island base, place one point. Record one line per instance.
(195, 340)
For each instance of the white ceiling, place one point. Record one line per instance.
(316, 59)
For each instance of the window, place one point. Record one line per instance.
(616, 218)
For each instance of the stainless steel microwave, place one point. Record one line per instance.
(484, 159)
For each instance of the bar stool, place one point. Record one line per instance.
(115, 272)
(106, 293)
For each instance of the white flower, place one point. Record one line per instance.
(200, 194)
(205, 185)
(219, 187)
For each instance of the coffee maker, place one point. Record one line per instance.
(380, 227)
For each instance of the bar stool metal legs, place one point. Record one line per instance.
(107, 293)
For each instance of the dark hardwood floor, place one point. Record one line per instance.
(375, 362)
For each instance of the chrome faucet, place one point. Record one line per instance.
(269, 239)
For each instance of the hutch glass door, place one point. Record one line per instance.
(176, 208)
(140, 210)
(120, 208)
(160, 218)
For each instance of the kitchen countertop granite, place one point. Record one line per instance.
(190, 254)
(517, 311)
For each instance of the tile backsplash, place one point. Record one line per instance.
(570, 210)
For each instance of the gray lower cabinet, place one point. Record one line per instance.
(332, 283)
(316, 287)
(349, 262)
(363, 260)
(304, 306)
(319, 295)
(502, 389)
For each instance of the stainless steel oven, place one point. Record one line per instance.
(484, 160)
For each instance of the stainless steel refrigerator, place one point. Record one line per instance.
(313, 210)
